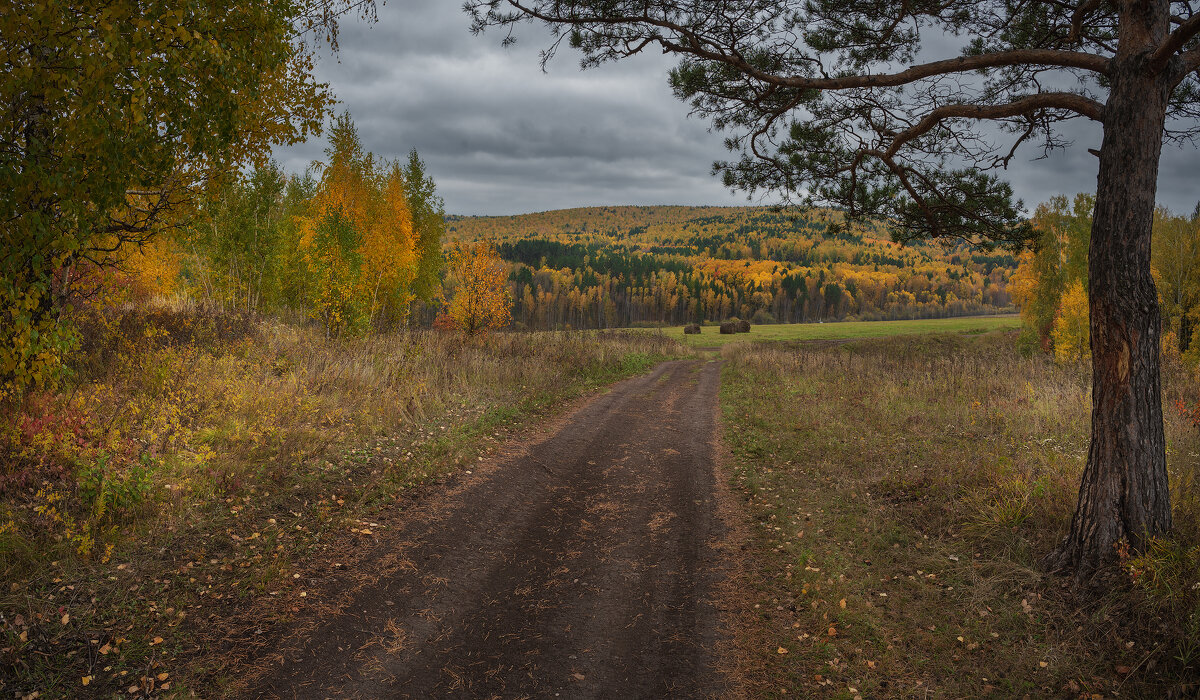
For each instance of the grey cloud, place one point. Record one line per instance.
(501, 136)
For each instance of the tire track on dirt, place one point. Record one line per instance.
(584, 567)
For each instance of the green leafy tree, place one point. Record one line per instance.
(840, 102)
(429, 222)
(115, 115)
(240, 238)
(1176, 260)
(293, 279)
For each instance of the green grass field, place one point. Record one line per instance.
(711, 336)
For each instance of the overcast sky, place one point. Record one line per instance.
(501, 137)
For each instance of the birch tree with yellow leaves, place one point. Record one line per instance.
(357, 239)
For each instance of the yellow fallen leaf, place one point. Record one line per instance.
(66, 619)
(842, 603)
(156, 640)
(781, 650)
(163, 676)
(1043, 664)
(86, 679)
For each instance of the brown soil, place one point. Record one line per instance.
(584, 565)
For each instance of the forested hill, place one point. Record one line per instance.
(623, 266)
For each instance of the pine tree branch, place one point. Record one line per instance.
(1175, 41)
(1022, 105)
(695, 44)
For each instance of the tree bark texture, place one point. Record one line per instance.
(1124, 496)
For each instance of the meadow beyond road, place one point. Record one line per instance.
(583, 565)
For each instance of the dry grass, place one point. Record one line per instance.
(194, 466)
(902, 492)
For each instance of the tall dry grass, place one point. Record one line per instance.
(938, 471)
(232, 447)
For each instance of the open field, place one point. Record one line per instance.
(901, 492)
(711, 336)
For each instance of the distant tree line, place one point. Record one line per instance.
(596, 270)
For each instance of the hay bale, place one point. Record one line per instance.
(691, 329)
(743, 326)
(728, 328)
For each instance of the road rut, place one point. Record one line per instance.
(584, 566)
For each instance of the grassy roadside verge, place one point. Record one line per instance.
(901, 492)
(199, 471)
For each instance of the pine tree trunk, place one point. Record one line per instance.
(1124, 496)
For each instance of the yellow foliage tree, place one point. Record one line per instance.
(154, 267)
(357, 238)
(482, 299)
(1071, 333)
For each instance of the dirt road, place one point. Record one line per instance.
(581, 566)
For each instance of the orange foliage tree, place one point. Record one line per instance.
(481, 299)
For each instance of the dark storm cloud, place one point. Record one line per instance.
(500, 136)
